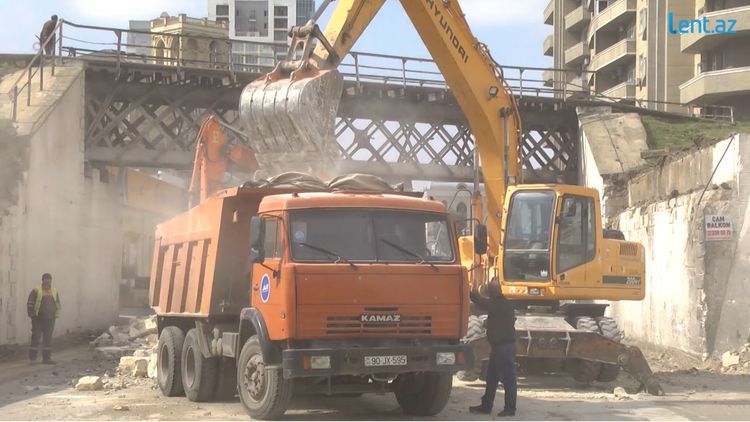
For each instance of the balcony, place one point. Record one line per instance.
(623, 90)
(696, 42)
(618, 53)
(576, 19)
(549, 13)
(549, 45)
(613, 17)
(710, 87)
(576, 54)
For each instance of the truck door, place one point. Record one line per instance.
(266, 294)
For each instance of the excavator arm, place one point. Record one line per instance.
(213, 153)
(466, 64)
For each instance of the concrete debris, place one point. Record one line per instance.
(140, 368)
(620, 393)
(103, 340)
(730, 359)
(120, 408)
(90, 383)
(152, 363)
(736, 361)
(113, 352)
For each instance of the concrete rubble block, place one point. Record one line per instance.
(140, 367)
(620, 393)
(112, 352)
(89, 383)
(152, 340)
(120, 408)
(152, 365)
(127, 363)
(103, 340)
(729, 359)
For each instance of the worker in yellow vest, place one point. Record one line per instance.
(43, 308)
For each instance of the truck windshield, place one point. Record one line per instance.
(527, 236)
(370, 236)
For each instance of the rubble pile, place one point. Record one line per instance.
(736, 361)
(134, 346)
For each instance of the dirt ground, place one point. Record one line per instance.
(39, 392)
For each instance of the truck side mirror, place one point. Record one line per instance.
(257, 239)
(480, 239)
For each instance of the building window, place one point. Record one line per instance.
(222, 10)
(711, 61)
(222, 20)
(280, 23)
(643, 23)
(279, 36)
(279, 11)
(642, 70)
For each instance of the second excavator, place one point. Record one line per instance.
(545, 243)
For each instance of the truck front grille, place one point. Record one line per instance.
(353, 324)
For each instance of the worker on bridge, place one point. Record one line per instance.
(48, 32)
(501, 334)
(44, 308)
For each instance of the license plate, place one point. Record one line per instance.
(399, 360)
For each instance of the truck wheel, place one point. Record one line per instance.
(263, 391)
(609, 329)
(169, 356)
(226, 388)
(476, 328)
(423, 393)
(585, 371)
(199, 374)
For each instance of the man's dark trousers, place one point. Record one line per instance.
(501, 369)
(41, 337)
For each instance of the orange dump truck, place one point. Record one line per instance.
(267, 293)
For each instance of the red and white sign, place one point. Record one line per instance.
(718, 227)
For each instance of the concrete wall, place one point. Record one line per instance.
(696, 290)
(60, 222)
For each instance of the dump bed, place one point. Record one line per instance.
(201, 266)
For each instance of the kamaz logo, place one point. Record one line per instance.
(381, 318)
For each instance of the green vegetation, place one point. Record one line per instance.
(674, 133)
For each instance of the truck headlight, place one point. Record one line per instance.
(445, 358)
(320, 362)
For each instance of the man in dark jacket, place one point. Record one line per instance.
(501, 334)
(43, 307)
(48, 31)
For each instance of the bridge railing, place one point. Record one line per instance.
(34, 67)
(221, 54)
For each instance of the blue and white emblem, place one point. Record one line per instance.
(265, 288)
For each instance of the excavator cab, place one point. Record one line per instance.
(553, 248)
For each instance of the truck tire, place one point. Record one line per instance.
(475, 331)
(585, 371)
(476, 328)
(226, 386)
(609, 329)
(423, 393)
(199, 375)
(263, 391)
(169, 358)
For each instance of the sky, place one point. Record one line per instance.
(513, 29)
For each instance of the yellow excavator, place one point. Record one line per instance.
(544, 242)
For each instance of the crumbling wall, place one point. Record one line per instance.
(58, 221)
(696, 290)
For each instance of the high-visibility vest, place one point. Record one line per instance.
(40, 295)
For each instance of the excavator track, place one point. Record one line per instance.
(549, 337)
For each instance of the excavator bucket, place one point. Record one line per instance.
(292, 115)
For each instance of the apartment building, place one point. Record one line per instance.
(260, 27)
(619, 48)
(720, 73)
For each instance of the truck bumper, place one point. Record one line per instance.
(298, 363)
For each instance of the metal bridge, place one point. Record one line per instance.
(397, 117)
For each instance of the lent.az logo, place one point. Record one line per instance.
(701, 26)
(265, 288)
